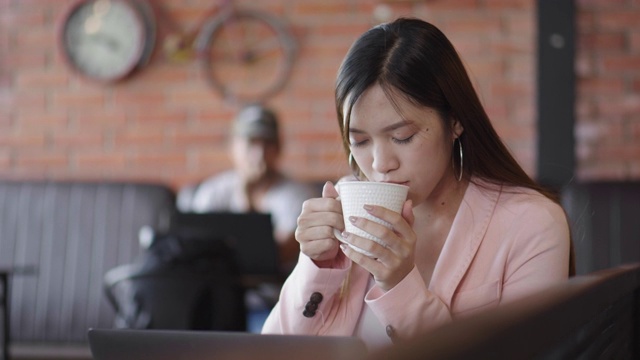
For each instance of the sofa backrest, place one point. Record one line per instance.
(73, 232)
(594, 316)
(604, 221)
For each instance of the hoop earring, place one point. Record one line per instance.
(461, 159)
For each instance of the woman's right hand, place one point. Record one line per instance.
(316, 224)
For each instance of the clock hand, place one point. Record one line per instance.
(111, 43)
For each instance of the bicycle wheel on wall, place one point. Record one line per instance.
(245, 55)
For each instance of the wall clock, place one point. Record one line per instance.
(106, 40)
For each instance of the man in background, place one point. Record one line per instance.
(255, 183)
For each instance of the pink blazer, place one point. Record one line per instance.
(503, 245)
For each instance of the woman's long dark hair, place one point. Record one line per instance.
(414, 59)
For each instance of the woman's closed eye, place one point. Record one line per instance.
(405, 140)
(397, 140)
(358, 143)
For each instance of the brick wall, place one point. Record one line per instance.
(165, 124)
(608, 103)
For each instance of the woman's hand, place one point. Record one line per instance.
(316, 224)
(392, 260)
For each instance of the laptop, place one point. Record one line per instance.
(127, 344)
(250, 236)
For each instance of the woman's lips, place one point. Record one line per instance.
(406, 183)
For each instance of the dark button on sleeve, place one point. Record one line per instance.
(391, 332)
(316, 297)
(312, 305)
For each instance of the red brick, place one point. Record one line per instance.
(599, 4)
(600, 86)
(76, 141)
(26, 140)
(483, 27)
(189, 98)
(621, 63)
(521, 24)
(164, 75)
(211, 160)
(39, 78)
(618, 106)
(140, 137)
(159, 160)
(24, 60)
(585, 65)
(585, 21)
(196, 138)
(449, 5)
(598, 131)
(634, 171)
(41, 119)
(617, 152)
(96, 119)
(158, 117)
(489, 68)
(316, 8)
(75, 99)
(96, 160)
(41, 160)
(508, 4)
(602, 172)
(601, 42)
(585, 108)
(139, 99)
(634, 41)
(27, 99)
(515, 89)
(619, 19)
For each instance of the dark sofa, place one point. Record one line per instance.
(71, 232)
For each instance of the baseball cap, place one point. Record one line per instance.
(256, 121)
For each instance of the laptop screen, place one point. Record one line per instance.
(250, 236)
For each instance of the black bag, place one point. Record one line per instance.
(182, 281)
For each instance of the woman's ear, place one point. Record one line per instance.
(457, 128)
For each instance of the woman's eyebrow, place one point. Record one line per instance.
(387, 128)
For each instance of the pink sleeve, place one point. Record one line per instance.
(288, 315)
(409, 308)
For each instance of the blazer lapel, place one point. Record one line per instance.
(463, 241)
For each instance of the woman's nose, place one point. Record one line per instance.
(384, 160)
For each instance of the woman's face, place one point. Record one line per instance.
(411, 147)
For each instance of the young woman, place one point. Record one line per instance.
(475, 232)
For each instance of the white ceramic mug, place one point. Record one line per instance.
(355, 194)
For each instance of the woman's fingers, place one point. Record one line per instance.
(400, 237)
(329, 190)
(390, 260)
(316, 223)
(320, 250)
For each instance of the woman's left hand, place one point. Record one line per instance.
(394, 259)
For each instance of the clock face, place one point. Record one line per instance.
(103, 39)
